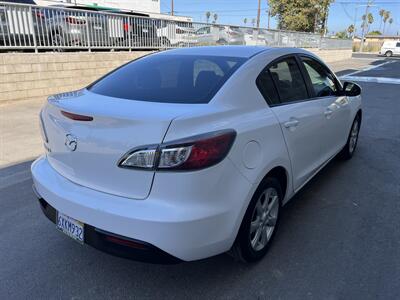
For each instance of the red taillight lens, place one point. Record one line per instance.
(180, 31)
(204, 151)
(75, 21)
(126, 27)
(76, 117)
(193, 153)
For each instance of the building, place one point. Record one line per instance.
(151, 7)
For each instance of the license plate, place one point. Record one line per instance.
(71, 227)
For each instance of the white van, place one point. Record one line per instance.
(390, 48)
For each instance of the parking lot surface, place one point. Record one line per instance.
(339, 237)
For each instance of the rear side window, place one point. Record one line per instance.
(169, 78)
(267, 88)
(398, 45)
(288, 80)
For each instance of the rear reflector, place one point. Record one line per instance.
(76, 117)
(124, 242)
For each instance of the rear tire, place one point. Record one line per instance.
(389, 54)
(259, 223)
(352, 140)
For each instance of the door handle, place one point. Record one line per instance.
(291, 123)
(328, 112)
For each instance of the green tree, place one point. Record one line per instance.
(253, 22)
(341, 34)
(390, 22)
(350, 30)
(370, 19)
(208, 15)
(375, 32)
(301, 15)
(245, 21)
(381, 14)
(386, 17)
(215, 18)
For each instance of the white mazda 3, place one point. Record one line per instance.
(185, 154)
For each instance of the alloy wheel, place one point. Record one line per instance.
(264, 218)
(354, 136)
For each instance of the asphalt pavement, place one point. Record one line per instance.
(339, 237)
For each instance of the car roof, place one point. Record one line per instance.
(230, 51)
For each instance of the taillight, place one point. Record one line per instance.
(189, 154)
(76, 117)
(75, 21)
(180, 31)
(126, 27)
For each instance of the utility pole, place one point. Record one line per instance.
(355, 23)
(172, 7)
(364, 24)
(269, 14)
(258, 13)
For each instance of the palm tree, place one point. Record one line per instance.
(245, 21)
(215, 18)
(386, 17)
(350, 30)
(390, 22)
(370, 19)
(253, 22)
(208, 15)
(381, 14)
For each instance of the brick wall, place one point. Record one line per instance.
(29, 76)
(26, 76)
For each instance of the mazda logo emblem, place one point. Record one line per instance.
(71, 142)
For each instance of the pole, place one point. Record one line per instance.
(172, 7)
(355, 23)
(258, 13)
(364, 25)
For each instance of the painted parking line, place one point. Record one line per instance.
(372, 79)
(368, 69)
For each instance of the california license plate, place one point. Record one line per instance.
(71, 227)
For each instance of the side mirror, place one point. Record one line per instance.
(351, 89)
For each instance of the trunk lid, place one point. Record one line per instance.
(118, 125)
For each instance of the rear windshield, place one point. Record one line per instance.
(169, 78)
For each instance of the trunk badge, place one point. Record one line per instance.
(71, 142)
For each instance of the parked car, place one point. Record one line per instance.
(185, 154)
(173, 33)
(219, 35)
(17, 24)
(390, 48)
(141, 30)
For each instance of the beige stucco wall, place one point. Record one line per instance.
(30, 76)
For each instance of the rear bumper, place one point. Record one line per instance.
(114, 244)
(173, 226)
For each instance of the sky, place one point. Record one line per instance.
(342, 12)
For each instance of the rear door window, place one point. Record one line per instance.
(169, 78)
(288, 80)
(398, 45)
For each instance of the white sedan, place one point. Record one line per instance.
(189, 153)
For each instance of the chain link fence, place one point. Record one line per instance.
(61, 28)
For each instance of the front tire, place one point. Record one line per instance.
(352, 140)
(259, 223)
